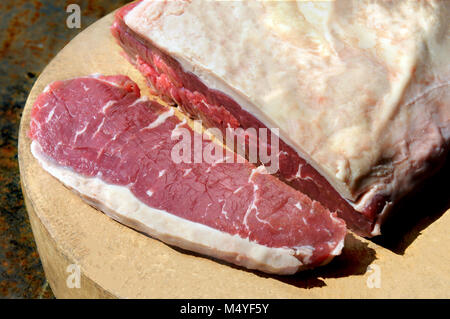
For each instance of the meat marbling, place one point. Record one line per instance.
(101, 139)
(358, 89)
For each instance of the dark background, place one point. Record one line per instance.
(31, 34)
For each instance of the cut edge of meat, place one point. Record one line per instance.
(121, 205)
(364, 221)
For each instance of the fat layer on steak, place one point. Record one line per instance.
(114, 148)
(357, 89)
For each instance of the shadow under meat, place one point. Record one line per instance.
(356, 256)
(416, 211)
(413, 213)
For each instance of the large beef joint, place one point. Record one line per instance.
(114, 148)
(358, 89)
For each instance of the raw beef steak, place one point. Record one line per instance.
(101, 139)
(358, 89)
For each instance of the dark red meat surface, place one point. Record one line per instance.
(217, 110)
(99, 127)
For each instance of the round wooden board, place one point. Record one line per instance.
(116, 261)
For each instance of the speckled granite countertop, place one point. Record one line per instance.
(31, 34)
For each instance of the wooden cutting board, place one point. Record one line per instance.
(116, 261)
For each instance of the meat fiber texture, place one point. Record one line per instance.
(114, 148)
(358, 89)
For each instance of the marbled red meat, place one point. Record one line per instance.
(167, 78)
(99, 131)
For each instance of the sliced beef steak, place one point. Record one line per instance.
(115, 148)
(358, 129)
